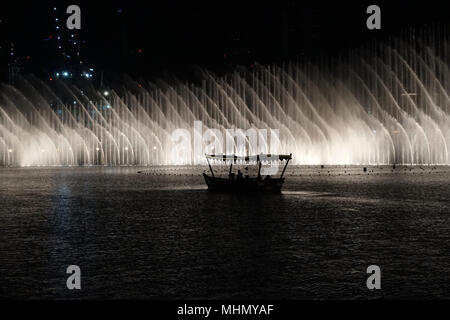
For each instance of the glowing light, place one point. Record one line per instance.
(98, 149)
(154, 148)
(126, 148)
(10, 150)
(106, 93)
(65, 74)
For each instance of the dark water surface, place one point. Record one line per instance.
(163, 235)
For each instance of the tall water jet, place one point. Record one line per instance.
(382, 104)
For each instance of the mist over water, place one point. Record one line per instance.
(385, 103)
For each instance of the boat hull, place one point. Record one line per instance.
(247, 185)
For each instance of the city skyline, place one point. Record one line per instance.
(151, 40)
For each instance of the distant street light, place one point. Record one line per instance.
(106, 93)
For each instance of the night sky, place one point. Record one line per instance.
(148, 39)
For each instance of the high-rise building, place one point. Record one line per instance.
(69, 48)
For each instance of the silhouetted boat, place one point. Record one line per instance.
(241, 184)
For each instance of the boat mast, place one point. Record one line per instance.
(210, 168)
(259, 166)
(284, 169)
